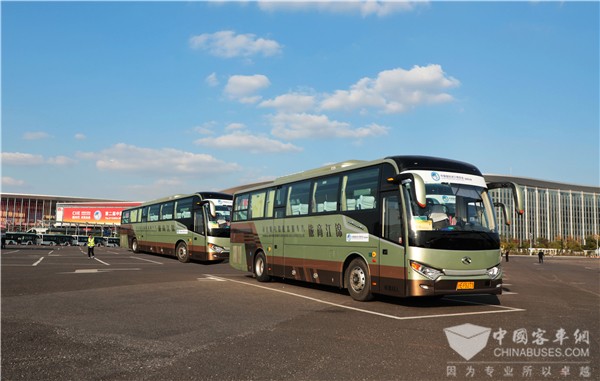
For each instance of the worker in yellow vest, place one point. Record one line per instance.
(90, 245)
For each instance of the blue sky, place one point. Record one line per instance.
(140, 100)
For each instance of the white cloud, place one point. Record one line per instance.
(235, 127)
(228, 44)
(80, 136)
(302, 126)
(244, 142)
(291, 102)
(36, 135)
(18, 158)
(128, 158)
(9, 181)
(212, 80)
(244, 87)
(61, 161)
(206, 128)
(395, 91)
(364, 8)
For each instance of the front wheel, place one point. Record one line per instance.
(260, 268)
(358, 280)
(182, 252)
(134, 246)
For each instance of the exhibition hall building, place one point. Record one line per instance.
(552, 212)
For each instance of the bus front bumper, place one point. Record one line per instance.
(454, 287)
(214, 256)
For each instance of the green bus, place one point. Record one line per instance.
(401, 226)
(194, 226)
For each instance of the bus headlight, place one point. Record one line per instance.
(427, 272)
(215, 248)
(493, 272)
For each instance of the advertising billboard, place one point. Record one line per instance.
(103, 213)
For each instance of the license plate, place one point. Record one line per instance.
(465, 285)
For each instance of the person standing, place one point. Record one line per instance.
(506, 255)
(91, 245)
(541, 257)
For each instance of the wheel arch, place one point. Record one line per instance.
(255, 254)
(352, 256)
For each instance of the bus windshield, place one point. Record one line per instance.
(454, 214)
(219, 225)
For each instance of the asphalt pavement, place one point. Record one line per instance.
(125, 316)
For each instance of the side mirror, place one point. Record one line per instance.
(504, 212)
(517, 193)
(417, 189)
(211, 207)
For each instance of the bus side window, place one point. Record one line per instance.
(199, 221)
(281, 195)
(166, 211)
(240, 207)
(325, 195)
(299, 199)
(358, 189)
(257, 205)
(125, 219)
(153, 212)
(269, 204)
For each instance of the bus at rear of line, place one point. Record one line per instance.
(194, 226)
(402, 226)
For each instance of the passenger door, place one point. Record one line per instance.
(392, 250)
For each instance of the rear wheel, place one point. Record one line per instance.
(358, 280)
(182, 252)
(260, 268)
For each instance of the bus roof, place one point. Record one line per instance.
(404, 163)
(203, 196)
(414, 162)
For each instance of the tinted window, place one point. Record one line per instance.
(325, 195)
(240, 207)
(359, 189)
(153, 212)
(183, 208)
(299, 199)
(125, 217)
(166, 211)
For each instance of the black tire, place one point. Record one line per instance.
(134, 246)
(182, 252)
(358, 280)
(260, 267)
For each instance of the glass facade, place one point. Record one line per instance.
(553, 211)
(21, 212)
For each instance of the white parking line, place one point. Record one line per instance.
(38, 262)
(503, 308)
(10, 252)
(147, 260)
(213, 278)
(104, 263)
(96, 271)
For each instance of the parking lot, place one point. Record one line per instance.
(125, 316)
